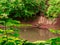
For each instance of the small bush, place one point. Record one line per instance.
(4, 40)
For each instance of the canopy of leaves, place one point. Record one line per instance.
(20, 8)
(54, 8)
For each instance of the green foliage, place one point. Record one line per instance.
(43, 6)
(9, 37)
(4, 40)
(9, 22)
(54, 8)
(9, 32)
(21, 8)
(54, 31)
(26, 9)
(12, 40)
(53, 41)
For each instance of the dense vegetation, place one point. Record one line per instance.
(24, 9)
(53, 8)
(10, 10)
(10, 37)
